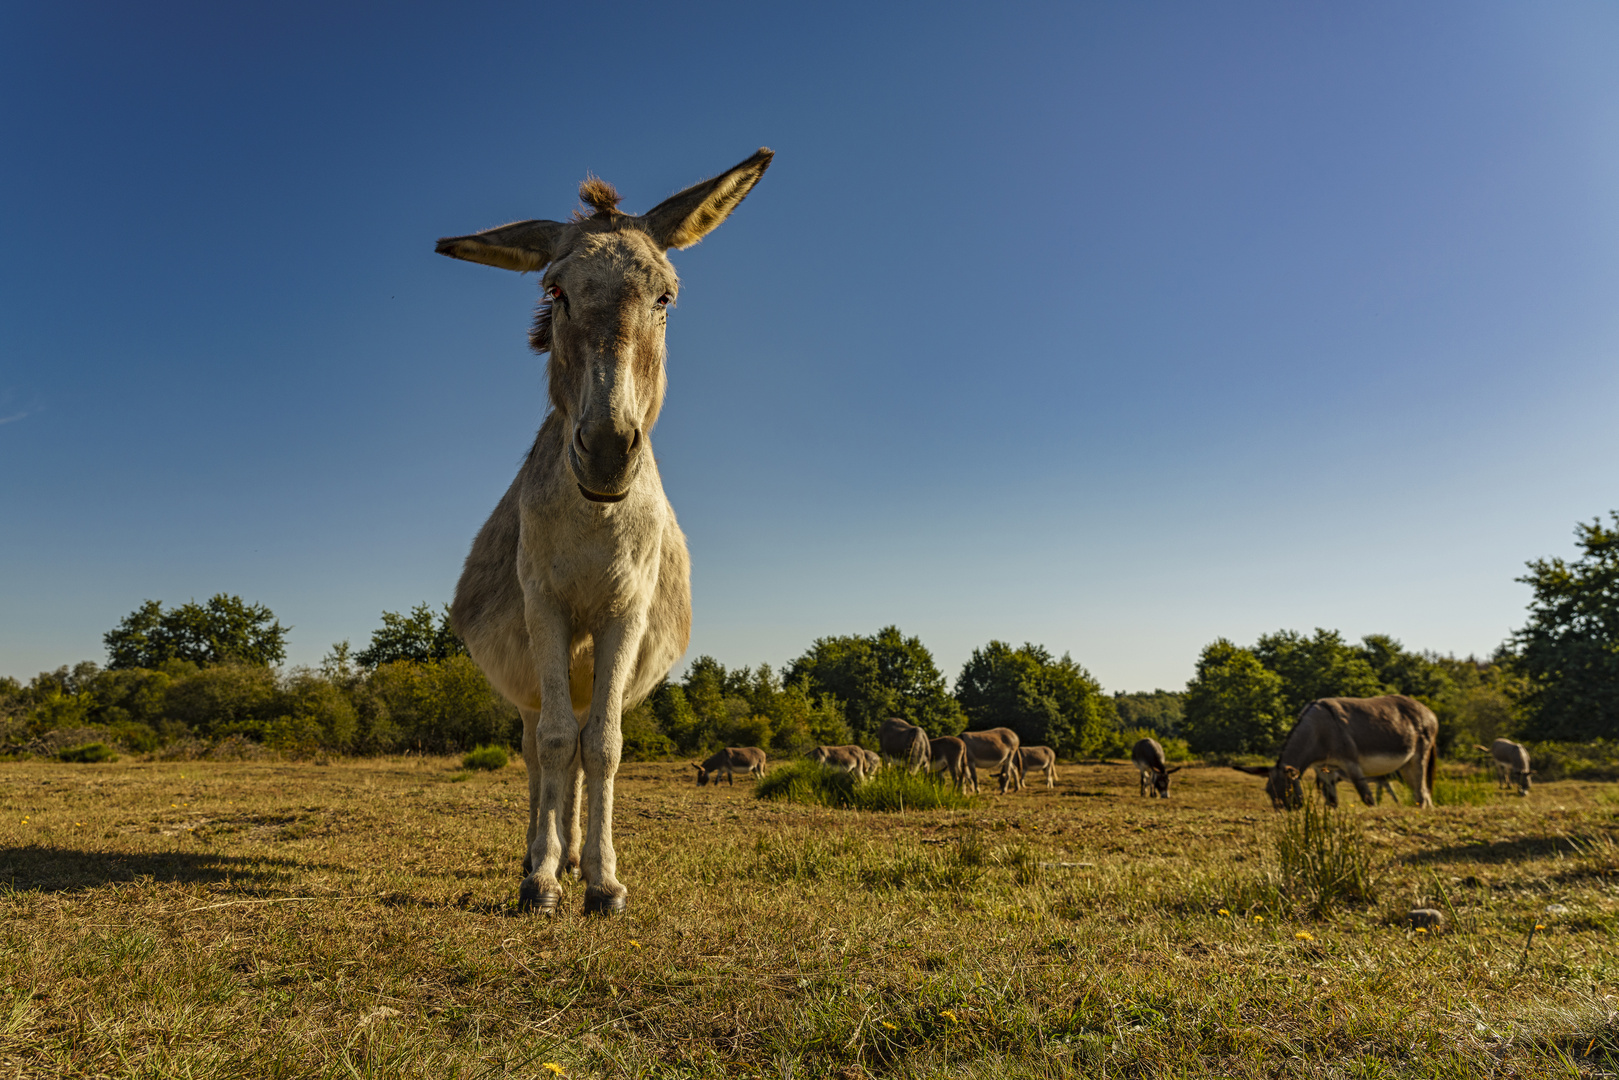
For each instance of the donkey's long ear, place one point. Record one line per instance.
(683, 219)
(1253, 770)
(522, 245)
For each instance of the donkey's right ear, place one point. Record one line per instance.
(687, 216)
(1253, 770)
(522, 245)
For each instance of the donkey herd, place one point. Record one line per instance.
(575, 599)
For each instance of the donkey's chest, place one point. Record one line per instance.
(592, 568)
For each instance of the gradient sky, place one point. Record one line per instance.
(1116, 328)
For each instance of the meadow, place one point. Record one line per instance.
(357, 919)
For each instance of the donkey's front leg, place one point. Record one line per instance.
(601, 744)
(551, 753)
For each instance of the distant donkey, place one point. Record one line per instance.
(732, 759)
(1148, 757)
(582, 560)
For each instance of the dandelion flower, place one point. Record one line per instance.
(890, 1027)
(634, 943)
(1540, 926)
(1305, 935)
(1223, 911)
(948, 1015)
(1422, 929)
(552, 1067)
(1259, 918)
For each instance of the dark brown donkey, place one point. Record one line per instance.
(1360, 738)
(576, 597)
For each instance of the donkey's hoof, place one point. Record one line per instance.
(604, 902)
(573, 869)
(528, 865)
(531, 896)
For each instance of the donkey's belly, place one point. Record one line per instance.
(1382, 764)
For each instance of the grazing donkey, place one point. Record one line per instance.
(948, 753)
(733, 759)
(994, 749)
(849, 758)
(1043, 758)
(1328, 778)
(576, 597)
(1360, 737)
(903, 742)
(1511, 764)
(1148, 756)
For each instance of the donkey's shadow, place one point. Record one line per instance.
(42, 868)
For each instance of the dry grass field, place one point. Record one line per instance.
(356, 919)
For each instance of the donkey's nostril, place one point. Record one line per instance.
(579, 440)
(635, 441)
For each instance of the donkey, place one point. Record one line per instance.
(1043, 758)
(576, 597)
(1361, 737)
(994, 749)
(1148, 757)
(1328, 778)
(733, 759)
(850, 758)
(1511, 764)
(904, 743)
(949, 754)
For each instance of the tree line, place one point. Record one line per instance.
(210, 671)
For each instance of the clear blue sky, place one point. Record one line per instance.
(1114, 327)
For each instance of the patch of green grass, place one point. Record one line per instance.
(814, 784)
(87, 754)
(1466, 790)
(488, 758)
(1323, 857)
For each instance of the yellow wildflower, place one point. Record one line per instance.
(1540, 926)
(1259, 918)
(1223, 911)
(634, 943)
(1305, 935)
(552, 1066)
(890, 1027)
(948, 1015)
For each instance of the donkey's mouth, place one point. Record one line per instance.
(594, 497)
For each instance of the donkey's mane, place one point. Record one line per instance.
(600, 196)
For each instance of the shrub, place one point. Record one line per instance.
(87, 753)
(442, 705)
(1470, 790)
(1323, 857)
(891, 789)
(486, 757)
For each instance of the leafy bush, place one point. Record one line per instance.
(1323, 857)
(88, 753)
(890, 790)
(486, 757)
(1594, 760)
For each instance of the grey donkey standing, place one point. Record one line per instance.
(576, 597)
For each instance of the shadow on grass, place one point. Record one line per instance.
(44, 869)
(1500, 851)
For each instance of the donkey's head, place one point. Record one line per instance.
(606, 291)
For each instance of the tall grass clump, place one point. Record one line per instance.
(811, 782)
(1472, 790)
(1323, 858)
(486, 757)
(87, 753)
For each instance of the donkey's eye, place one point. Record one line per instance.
(553, 292)
(663, 301)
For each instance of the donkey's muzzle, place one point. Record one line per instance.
(604, 459)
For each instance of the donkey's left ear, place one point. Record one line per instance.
(522, 245)
(685, 218)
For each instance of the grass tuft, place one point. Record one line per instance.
(87, 753)
(488, 758)
(1323, 857)
(814, 784)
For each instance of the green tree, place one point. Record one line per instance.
(1047, 702)
(225, 630)
(1160, 711)
(1569, 651)
(1234, 703)
(874, 678)
(1401, 672)
(420, 636)
(1316, 667)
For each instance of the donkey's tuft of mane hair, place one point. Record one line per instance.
(600, 196)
